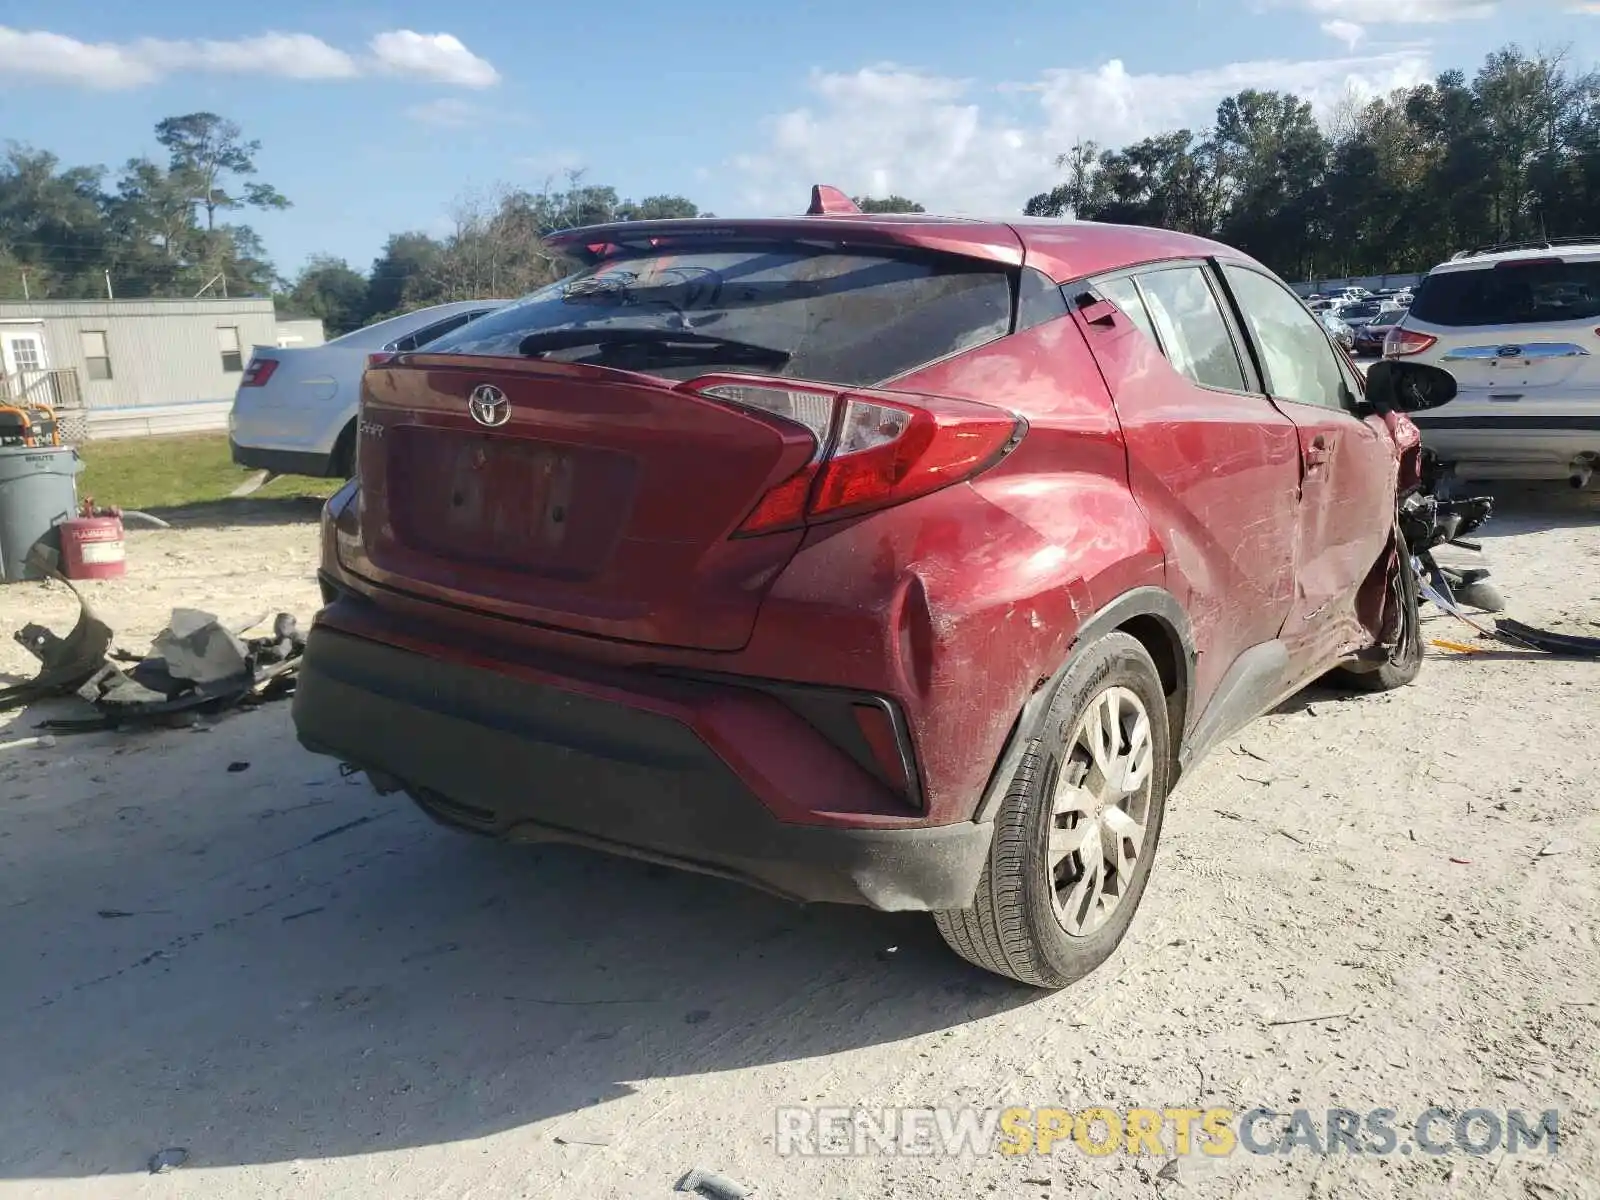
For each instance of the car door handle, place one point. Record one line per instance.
(1320, 451)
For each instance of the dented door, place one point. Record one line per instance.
(1348, 471)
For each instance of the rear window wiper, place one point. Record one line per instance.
(701, 344)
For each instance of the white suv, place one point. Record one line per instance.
(1517, 327)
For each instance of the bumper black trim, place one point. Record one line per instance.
(828, 711)
(523, 761)
(283, 462)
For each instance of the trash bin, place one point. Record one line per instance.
(38, 487)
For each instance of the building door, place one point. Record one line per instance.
(25, 366)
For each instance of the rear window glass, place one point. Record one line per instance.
(1533, 294)
(811, 313)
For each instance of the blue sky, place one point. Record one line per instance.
(375, 116)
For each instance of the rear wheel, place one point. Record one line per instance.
(1077, 832)
(344, 453)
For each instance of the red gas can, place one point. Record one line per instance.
(93, 548)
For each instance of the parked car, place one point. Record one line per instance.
(1370, 337)
(1517, 328)
(294, 412)
(1339, 331)
(1360, 313)
(898, 563)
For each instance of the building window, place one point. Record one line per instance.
(228, 343)
(95, 355)
(25, 352)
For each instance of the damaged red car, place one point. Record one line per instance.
(901, 561)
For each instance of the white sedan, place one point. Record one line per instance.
(295, 410)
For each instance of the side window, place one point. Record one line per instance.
(428, 332)
(1124, 293)
(1191, 327)
(1296, 355)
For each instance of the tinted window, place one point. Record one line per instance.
(1124, 293)
(1189, 323)
(1535, 293)
(437, 330)
(1038, 299)
(1295, 353)
(812, 313)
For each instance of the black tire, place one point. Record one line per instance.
(1012, 928)
(1405, 660)
(344, 453)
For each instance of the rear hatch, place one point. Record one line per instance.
(1516, 332)
(586, 458)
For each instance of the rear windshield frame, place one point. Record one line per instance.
(1481, 296)
(937, 263)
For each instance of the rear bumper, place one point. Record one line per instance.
(1512, 445)
(535, 758)
(282, 462)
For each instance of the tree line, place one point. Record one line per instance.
(154, 228)
(1395, 183)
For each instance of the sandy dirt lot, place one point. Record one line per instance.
(317, 992)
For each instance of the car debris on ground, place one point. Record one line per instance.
(196, 666)
(712, 1185)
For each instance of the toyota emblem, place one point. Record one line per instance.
(488, 405)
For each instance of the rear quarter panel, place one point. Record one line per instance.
(966, 600)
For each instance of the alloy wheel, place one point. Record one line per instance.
(1100, 808)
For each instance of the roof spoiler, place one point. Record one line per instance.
(830, 202)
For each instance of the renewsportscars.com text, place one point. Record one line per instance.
(1215, 1132)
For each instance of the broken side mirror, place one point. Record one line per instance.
(1408, 387)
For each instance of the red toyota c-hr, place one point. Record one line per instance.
(889, 560)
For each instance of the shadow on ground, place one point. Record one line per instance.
(1534, 508)
(274, 964)
(245, 510)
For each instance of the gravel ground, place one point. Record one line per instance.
(315, 991)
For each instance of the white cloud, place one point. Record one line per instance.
(1347, 32)
(1404, 12)
(287, 55)
(958, 148)
(439, 57)
(53, 57)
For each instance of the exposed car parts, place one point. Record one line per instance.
(196, 665)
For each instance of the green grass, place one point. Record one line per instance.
(152, 473)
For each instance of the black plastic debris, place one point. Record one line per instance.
(1567, 645)
(65, 663)
(196, 666)
(169, 1159)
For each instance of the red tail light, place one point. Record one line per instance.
(1404, 342)
(379, 358)
(258, 372)
(870, 453)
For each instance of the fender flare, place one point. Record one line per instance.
(1140, 602)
